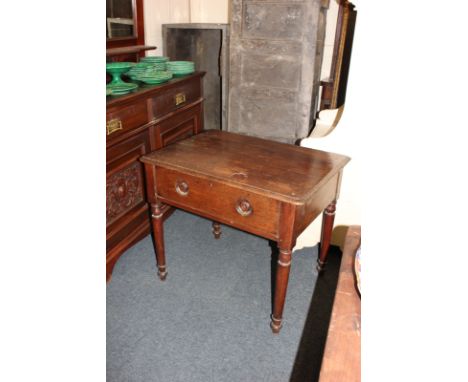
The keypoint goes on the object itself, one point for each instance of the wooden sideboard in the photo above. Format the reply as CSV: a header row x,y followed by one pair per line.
x,y
136,124
342,356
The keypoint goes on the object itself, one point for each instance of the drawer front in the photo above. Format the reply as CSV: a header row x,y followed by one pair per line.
x,y
231,205
180,126
123,119
175,97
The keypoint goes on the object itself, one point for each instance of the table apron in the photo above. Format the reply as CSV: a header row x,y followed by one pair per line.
x,y
220,202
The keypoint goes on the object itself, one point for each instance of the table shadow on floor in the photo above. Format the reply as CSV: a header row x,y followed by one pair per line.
x,y
312,344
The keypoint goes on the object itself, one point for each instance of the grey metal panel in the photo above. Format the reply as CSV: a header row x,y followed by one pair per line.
x,y
276,49
207,44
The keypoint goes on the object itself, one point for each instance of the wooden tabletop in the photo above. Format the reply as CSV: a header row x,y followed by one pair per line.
x,y
287,172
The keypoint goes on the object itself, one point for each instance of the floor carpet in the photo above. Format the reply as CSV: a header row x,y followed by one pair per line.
x,y
209,321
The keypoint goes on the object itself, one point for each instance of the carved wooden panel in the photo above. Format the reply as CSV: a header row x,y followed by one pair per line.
x,y
124,190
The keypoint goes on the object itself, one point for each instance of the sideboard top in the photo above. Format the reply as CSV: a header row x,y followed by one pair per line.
x,y
144,90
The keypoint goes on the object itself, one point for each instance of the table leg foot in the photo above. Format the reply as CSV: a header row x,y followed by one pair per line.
x,y
320,266
216,230
275,324
162,273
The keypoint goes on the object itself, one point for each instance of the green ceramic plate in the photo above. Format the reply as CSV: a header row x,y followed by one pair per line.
x,y
155,74
121,88
181,71
180,63
153,81
155,59
143,65
171,69
179,66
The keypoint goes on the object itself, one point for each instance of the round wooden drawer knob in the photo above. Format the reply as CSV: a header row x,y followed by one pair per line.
x,y
182,188
244,207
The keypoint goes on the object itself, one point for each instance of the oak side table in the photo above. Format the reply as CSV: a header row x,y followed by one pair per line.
x,y
274,190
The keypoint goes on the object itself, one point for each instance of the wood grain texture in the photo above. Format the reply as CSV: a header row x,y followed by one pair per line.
x,y
294,173
179,125
219,200
162,105
342,356
325,240
128,50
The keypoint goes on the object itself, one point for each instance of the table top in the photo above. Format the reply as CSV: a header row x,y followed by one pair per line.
x,y
283,171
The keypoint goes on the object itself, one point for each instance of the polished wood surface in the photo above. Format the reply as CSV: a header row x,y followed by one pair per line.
x,y
342,356
134,127
294,173
127,53
128,50
267,188
327,227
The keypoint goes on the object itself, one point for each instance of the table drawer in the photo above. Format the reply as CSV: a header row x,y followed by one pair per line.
x,y
122,119
175,97
229,204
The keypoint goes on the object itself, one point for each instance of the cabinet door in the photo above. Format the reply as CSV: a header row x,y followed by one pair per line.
x,y
182,125
126,208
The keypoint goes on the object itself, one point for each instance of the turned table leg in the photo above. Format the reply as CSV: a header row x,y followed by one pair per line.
x,y
327,228
281,285
216,230
157,223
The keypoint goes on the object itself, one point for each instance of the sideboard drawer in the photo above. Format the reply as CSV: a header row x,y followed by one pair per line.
x,y
122,119
180,126
232,205
175,97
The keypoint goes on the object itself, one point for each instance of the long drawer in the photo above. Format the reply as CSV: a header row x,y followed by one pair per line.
x,y
122,119
175,97
227,203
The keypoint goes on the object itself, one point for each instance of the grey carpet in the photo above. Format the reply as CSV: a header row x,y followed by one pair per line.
x,y
209,321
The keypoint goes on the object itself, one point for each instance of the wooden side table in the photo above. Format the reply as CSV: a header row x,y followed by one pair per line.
x,y
270,189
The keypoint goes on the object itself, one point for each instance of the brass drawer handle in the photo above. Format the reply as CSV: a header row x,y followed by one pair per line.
x,y
243,207
179,98
182,188
113,125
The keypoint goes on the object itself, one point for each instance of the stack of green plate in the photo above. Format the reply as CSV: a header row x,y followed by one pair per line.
x,y
154,77
159,62
139,69
120,88
180,68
